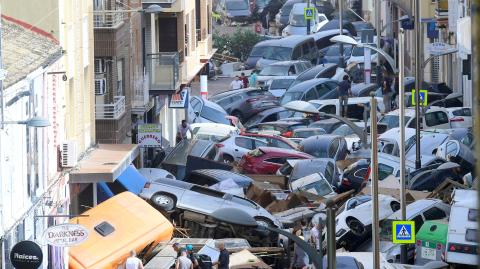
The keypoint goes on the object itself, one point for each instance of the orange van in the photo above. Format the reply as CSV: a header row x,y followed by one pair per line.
x,y
122,223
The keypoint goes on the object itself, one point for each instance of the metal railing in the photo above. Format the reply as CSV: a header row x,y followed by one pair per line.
x,y
163,71
108,18
112,111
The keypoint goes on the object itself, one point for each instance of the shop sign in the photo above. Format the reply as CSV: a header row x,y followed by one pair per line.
x,y
26,255
65,235
149,135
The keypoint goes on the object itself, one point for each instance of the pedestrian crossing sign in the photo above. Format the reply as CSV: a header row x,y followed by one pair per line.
x,y
403,232
308,13
423,97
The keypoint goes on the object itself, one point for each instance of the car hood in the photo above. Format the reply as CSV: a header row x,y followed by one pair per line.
x,y
262,62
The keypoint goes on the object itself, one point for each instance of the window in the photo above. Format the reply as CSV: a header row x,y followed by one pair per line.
x,y
418,222
462,112
202,180
244,142
272,117
329,109
225,102
244,202
311,95
207,191
332,150
297,53
195,104
214,115
305,48
384,171
120,73
330,72
412,123
278,143
452,149
329,171
472,214
322,90
259,143
434,213
436,118
467,139
471,235
276,160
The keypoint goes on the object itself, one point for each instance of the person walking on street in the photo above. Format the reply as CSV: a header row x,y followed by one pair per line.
x,y
386,94
244,80
315,235
183,262
224,258
133,262
252,80
191,256
344,90
236,84
182,130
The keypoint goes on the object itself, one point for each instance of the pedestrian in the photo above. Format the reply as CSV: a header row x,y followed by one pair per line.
x,y
386,94
191,256
252,80
300,258
258,27
183,262
236,84
344,90
244,80
133,262
182,130
315,235
224,258
176,247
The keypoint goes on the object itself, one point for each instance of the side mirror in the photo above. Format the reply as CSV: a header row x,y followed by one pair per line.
x,y
197,113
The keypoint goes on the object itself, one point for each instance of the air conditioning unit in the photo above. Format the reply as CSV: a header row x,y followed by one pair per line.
x,y
99,66
100,86
69,154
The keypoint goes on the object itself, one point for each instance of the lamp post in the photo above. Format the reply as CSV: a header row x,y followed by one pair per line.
x,y
236,216
418,80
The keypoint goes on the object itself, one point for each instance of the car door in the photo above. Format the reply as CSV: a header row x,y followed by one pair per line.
x,y
436,119
242,146
195,106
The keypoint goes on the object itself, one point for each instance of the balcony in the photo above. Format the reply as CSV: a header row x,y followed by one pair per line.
x,y
105,19
112,111
163,71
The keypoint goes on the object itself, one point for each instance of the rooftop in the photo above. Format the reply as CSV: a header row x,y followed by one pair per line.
x,y
24,51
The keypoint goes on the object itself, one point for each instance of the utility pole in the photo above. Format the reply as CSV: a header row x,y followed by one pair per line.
x,y
374,191
401,90
331,241
308,20
378,26
418,81
340,17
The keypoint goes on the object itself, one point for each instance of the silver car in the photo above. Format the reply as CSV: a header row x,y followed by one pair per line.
x,y
170,195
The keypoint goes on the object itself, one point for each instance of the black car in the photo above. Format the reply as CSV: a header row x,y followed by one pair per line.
x,y
211,177
272,114
354,177
431,179
325,146
335,24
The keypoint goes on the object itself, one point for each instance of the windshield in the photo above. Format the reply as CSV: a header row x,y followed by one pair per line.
x,y
261,3
281,83
392,121
237,5
299,20
320,188
277,53
274,70
358,51
258,51
343,130
214,115
291,96
306,134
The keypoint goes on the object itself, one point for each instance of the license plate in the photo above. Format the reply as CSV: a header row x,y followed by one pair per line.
x,y
429,253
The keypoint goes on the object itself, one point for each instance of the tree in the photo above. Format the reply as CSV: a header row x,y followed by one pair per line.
x,y
239,44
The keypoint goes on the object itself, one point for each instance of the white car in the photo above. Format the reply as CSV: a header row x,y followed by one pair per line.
x,y
358,56
201,110
214,132
298,24
233,148
314,183
446,118
356,218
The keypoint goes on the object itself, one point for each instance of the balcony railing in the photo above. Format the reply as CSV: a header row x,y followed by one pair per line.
x,y
108,18
163,71
158,1
112,111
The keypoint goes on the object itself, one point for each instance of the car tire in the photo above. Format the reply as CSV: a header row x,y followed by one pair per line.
x,y
228,159
395,206
164,201
356,226
238,114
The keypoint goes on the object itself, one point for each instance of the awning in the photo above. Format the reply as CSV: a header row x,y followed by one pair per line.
x,y
132,180
105,163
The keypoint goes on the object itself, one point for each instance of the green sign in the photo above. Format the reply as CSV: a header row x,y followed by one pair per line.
x,y
309,13
403,232
423,97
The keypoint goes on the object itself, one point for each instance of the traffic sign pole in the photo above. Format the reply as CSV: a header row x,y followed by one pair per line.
x,y
308,19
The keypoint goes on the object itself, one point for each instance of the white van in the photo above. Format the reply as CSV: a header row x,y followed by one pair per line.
x,y
355,106
462,241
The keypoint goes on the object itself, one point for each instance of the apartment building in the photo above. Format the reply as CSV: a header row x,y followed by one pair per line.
x,y
47,53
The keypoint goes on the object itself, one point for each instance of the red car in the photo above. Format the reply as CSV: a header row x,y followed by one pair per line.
x,y
267,160
273,140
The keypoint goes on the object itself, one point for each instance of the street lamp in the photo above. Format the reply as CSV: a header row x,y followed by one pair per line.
x,y
438,54
153,9
36,122
239,217
344,39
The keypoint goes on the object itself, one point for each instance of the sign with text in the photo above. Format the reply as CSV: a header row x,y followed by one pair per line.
x,y
403,232
423,97
309,13
26,255
179,100
65,235
149,135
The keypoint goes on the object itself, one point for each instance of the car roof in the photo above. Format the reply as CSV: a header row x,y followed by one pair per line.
x,y
409,111
289,41
306,85
221,174
360,86
283,151
325,33
415,208
299,7
314,71
286,63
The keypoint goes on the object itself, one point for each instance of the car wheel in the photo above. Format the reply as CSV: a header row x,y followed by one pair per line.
x,y
395,206
238,114
228,159
356,226
165,201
